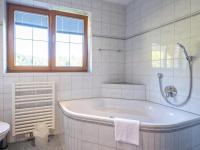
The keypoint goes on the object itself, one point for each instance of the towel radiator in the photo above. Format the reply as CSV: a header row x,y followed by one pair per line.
x,y
32,103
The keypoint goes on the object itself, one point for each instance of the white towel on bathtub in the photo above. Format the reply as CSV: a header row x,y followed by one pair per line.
x,y
127,131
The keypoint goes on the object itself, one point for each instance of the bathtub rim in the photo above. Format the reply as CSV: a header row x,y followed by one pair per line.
x,y
147,127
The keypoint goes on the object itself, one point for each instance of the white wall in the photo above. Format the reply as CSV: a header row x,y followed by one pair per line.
x,y
145,55
155,51
108,20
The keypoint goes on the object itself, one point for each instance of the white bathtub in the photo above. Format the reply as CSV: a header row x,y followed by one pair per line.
x,y
156,120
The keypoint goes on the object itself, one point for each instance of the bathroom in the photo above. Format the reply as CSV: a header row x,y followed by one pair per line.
x,y
132,84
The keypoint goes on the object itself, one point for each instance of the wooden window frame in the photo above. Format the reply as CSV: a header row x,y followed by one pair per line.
x,y
11,8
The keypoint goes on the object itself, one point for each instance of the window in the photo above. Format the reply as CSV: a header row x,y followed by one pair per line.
x,y
46,40
69,41
30,39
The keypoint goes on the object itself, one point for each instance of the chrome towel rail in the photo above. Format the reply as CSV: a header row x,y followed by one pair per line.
x,y
101,49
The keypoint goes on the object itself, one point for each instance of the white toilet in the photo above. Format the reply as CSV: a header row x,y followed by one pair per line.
x,y
4,129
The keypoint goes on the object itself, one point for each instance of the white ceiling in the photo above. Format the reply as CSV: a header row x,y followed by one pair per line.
x,y
123,2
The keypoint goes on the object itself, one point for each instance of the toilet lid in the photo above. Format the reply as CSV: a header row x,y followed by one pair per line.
x,y
4,127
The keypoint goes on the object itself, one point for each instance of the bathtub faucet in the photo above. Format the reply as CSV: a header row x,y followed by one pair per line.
x,y
170,91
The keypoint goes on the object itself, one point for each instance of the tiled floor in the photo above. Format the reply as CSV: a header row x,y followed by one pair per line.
x,y
54,144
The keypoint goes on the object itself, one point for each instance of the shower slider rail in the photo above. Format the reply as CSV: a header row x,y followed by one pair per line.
x,y
114,50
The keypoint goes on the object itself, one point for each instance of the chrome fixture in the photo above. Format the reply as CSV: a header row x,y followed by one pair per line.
x,y
189,58
171,91
117,50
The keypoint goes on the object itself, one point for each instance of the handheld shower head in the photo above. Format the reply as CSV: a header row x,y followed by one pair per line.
x,y
185,52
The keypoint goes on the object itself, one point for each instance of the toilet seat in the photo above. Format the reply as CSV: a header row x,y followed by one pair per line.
x,y
4,127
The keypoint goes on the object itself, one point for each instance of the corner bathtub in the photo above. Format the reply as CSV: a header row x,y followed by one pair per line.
x,y
89,125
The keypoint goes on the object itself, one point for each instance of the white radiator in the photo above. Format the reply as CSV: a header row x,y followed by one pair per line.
x,y
32,103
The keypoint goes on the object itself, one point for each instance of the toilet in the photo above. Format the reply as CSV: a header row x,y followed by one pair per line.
x,y
4,129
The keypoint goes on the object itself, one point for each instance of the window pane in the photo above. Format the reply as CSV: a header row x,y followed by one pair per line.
x,y
23,32
31,19
40,34
31,39
40,53
62,37
23,52
76,38
76,55
69,25
62,54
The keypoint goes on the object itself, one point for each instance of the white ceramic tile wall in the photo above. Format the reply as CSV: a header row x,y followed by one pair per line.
x,y
155,51
126,91
145,55
106,66
91,136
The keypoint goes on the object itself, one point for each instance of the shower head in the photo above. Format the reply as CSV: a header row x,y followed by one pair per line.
x,y
185,52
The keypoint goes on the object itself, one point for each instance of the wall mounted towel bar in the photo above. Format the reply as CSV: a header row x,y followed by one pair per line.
x,y
110,50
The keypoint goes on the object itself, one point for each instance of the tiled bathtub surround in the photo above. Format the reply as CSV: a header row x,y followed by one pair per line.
x,y
89,123
123,90
155,50
86,135
107,19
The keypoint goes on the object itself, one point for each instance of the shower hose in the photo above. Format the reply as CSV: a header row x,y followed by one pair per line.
x,y
160,76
